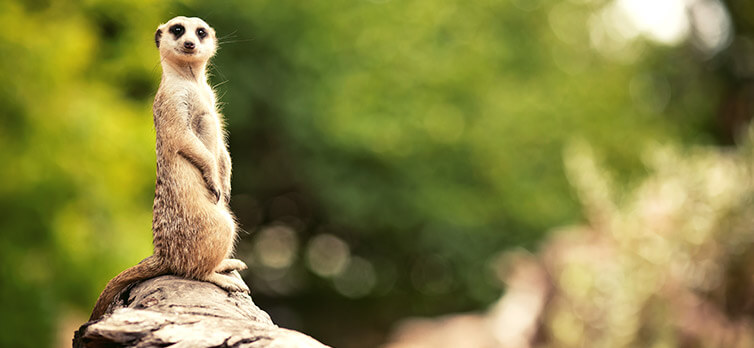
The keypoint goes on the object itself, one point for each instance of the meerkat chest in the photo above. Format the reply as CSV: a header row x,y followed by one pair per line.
x,y
203,118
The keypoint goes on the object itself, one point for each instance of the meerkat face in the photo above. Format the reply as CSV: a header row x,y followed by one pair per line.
x,y
186,39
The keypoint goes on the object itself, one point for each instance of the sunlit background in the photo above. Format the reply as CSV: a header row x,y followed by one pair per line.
x,y
566,173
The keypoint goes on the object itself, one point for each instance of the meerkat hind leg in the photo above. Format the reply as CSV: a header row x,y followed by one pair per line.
x,y
230,282
227,277
228,265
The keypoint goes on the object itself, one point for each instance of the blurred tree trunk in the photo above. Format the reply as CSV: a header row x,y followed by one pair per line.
x,y
177,312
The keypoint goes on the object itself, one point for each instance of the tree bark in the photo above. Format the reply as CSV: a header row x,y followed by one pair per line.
x,y
170,311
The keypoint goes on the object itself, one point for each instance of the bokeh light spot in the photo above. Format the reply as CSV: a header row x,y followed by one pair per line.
x,y
712,25
276,246
357,280
664,21
327,255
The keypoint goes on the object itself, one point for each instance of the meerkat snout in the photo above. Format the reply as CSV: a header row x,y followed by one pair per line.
x,y
188,45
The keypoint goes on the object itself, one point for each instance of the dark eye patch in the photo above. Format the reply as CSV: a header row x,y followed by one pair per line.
x,y
177,30
201,33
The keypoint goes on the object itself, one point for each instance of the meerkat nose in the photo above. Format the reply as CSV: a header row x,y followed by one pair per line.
x,y
188,45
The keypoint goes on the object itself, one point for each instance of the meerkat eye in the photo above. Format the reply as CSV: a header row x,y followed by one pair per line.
x,y
201,33
177,30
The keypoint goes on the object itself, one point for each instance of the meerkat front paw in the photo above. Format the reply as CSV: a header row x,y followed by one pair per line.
x,y
215,195
213,187
226,190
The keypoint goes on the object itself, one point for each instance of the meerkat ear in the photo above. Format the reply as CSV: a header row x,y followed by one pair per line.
x,y
157,37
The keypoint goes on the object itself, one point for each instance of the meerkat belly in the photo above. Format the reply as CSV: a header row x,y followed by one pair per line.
x,y
191,234
191,237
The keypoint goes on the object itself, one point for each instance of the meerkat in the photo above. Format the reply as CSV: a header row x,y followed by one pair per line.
x,y
193,228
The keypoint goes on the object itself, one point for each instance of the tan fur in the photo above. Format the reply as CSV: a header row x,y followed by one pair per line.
x,y
193,229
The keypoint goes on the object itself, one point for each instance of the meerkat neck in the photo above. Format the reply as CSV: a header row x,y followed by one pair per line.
x,y
191,71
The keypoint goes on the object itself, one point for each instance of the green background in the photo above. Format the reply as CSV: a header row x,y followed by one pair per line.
x,y
423,137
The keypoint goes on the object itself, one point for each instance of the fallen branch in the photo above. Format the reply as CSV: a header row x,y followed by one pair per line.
x,y
170,311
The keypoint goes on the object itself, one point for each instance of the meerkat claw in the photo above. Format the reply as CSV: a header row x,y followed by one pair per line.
x,y
216,195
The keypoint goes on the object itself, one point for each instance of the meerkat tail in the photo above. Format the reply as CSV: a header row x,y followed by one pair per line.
x,y
147,268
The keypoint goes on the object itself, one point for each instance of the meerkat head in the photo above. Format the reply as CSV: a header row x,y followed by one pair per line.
x,y
186,40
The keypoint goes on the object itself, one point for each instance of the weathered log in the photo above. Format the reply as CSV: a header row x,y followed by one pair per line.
x,y
170,311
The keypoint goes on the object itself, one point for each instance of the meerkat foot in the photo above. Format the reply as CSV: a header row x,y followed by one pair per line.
x,y
228,265
230,282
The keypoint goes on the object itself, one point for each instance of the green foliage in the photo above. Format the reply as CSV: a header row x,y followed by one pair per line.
x,y
76,129
424,136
